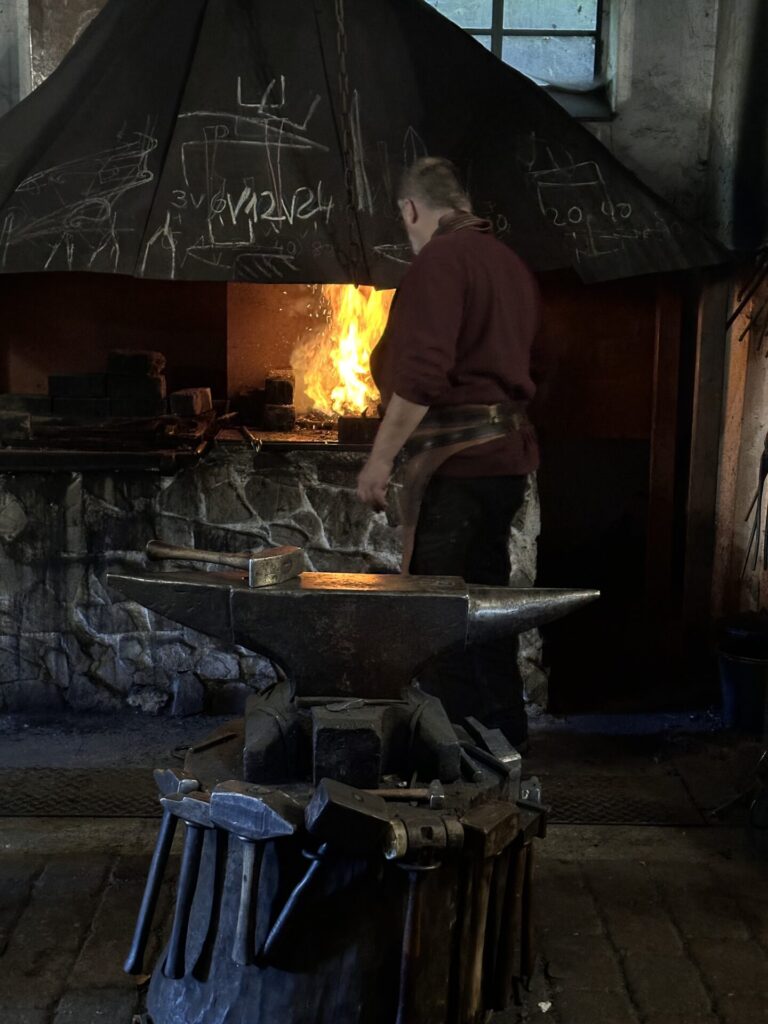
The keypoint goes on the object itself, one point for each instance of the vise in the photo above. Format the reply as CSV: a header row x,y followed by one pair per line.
x,y
351,855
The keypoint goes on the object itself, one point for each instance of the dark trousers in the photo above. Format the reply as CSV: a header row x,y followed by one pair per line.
x,y
463,530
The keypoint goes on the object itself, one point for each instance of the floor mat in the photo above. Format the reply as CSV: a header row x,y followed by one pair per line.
x,y
619,800
130,793
78,793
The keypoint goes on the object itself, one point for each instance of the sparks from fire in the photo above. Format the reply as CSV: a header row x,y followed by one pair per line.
x,y
333,364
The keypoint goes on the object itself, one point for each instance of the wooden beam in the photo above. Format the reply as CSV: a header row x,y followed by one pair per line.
x,y
728,513
708,406
661,497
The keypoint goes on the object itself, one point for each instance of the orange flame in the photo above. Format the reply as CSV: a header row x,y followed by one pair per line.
x,y
333,366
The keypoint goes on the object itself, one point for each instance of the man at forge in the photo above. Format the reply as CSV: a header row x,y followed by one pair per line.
x,y
453,369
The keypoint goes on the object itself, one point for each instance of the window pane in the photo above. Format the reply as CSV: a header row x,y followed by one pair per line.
x,y
467,13
485,40
549,14
551,58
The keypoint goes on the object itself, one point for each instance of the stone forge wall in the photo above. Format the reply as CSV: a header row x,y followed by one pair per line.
x,y
66,641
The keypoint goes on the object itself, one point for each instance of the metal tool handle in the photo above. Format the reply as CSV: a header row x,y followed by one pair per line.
x,y
135,959
190,866
242,952
293,901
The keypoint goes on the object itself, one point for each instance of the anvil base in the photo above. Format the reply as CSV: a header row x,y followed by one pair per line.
x,y
440,940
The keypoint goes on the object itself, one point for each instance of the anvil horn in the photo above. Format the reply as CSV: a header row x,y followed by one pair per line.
x,y
496,611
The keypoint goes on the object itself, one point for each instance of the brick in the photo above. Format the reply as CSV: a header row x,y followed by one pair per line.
x,y
35,405
566,913
132,386
620,883
77,385
85,408
46,923
73,876
574,1007
100,964
685,1018
279,386
17,1010
563,875
130,868
732,966
754,911
110,1005
39,973
710,915
647,930
191,402
666,985
741,878
683,877
589,964
16,875
279,417
15,426
44,943
739,1009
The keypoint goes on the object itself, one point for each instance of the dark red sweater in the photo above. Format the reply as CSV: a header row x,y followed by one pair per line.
x,y
460,333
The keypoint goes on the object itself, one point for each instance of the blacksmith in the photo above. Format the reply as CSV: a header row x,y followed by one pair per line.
x,y
453,369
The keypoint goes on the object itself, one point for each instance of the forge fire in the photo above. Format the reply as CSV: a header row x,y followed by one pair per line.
x,y
333,368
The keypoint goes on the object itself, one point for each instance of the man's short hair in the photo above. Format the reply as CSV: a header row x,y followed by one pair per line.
x,y
435,181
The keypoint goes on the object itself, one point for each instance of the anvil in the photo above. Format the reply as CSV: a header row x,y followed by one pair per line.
x,y
342,634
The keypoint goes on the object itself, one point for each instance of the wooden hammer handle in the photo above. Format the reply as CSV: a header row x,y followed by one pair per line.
x,y
156,549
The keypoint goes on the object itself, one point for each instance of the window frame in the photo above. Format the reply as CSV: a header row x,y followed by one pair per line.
x,y
498,33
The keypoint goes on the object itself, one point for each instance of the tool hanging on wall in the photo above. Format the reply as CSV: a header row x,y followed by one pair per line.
x,y
757,504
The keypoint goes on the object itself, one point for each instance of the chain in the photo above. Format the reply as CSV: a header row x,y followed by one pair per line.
x,y
350,183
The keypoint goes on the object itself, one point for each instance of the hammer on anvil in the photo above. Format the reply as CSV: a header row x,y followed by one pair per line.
x,y
342,634
255,814
265,567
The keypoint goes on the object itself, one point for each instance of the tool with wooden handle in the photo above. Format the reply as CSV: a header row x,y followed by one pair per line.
x,y
265,568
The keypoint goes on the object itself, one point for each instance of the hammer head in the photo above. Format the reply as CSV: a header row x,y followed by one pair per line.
x,y
193,808
169,781
347,818
255,812
274,565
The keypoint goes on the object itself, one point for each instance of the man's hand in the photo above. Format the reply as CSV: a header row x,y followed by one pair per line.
x,y
372,482
400,421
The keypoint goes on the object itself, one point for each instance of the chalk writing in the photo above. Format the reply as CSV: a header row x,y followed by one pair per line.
x,y
82,229
236,194
573,196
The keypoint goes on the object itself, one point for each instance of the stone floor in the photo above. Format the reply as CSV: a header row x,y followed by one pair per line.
x,y
641,923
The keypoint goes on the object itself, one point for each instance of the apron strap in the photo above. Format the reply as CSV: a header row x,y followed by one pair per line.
x,y
442,434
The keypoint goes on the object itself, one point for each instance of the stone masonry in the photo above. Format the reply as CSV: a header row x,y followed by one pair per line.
x,y
66,641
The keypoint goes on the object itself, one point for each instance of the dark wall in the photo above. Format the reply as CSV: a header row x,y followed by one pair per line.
x,y
594,416
67,323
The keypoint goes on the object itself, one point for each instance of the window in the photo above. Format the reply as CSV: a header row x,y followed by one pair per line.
x,y
552,41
